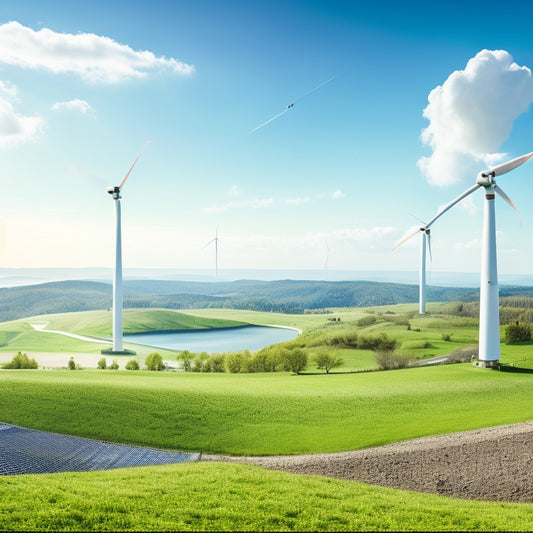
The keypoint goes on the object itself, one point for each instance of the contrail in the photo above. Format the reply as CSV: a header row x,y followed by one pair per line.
x,y
291,105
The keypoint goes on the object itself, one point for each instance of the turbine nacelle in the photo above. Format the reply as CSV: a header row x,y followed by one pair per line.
x,y
486,178
115,191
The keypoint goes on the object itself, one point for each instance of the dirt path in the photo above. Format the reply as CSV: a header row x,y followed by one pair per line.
x,y
485,464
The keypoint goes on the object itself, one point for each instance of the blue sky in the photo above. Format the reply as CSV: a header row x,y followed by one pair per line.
x,y
84,85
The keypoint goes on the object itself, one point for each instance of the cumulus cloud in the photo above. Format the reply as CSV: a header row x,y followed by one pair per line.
x,y
93,57
73,105
16,128
254,204
471,114
337,194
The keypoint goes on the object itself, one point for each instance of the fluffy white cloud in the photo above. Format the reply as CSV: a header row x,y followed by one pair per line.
x,y
92,57
337,194
73,105
16,128
471,114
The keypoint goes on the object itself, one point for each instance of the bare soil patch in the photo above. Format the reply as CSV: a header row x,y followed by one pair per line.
x,y
493,464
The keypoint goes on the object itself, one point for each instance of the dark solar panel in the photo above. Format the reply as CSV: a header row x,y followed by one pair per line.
x,y
28,451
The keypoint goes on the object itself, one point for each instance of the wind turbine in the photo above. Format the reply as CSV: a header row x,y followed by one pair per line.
x,y
117,277
215,240
489,312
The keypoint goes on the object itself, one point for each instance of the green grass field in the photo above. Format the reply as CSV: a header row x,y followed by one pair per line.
x,y
256,414
223,497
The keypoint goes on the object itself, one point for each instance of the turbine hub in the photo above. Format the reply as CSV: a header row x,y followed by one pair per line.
x,y
486,179
115,191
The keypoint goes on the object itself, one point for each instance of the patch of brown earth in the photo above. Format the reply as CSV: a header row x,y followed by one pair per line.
x,y
484,464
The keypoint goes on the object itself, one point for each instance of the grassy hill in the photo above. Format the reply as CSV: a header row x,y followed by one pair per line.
x,y
286,296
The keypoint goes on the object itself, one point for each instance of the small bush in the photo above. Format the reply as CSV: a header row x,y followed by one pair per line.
x,y
517,332
388,360
132,364
215,363
114,365
71,364
367,321
379,343
154,362
21,361
447,337
102,363
463,355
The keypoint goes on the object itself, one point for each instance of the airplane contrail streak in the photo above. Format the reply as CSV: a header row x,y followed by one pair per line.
x,y
291,105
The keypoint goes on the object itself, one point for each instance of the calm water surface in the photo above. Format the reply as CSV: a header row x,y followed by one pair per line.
x,y
215,340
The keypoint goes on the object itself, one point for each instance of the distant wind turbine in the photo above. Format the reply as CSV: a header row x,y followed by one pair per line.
x,y
291,105
489,312
326,262
117,278
215,240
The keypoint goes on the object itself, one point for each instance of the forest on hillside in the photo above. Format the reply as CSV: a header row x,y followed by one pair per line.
x,y
286,296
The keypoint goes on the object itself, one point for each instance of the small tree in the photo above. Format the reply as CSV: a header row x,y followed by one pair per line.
x,y
132,364
295,360
102,364
517,332
187,358
114,365
154,362
21,361
327,360
71,364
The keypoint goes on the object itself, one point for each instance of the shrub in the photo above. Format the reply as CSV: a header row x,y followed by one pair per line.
x,y
154,362
446,336
296,360
379,343
102,364
388,360
114,365
132,364
198,362
463,355
238,362
215,363
367,321
327,360
517,332
71,364
21,361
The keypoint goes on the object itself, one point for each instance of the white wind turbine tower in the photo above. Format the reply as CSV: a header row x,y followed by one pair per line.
x,y
215,240
117,277
489,312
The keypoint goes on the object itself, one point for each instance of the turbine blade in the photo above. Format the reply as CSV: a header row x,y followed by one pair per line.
x,y
500,192
510,165
131,168
411,233
445,207
212,240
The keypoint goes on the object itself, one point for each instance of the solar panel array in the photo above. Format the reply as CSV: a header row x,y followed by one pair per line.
x,y
28,451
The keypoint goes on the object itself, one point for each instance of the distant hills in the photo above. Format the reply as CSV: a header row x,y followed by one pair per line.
x,y
286,296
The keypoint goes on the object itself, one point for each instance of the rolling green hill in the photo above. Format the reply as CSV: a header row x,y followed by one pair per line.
x,y
285,296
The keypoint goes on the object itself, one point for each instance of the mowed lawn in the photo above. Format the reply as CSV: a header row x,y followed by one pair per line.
x,y
263,414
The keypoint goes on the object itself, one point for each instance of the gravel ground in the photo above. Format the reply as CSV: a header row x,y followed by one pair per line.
x,y
483,464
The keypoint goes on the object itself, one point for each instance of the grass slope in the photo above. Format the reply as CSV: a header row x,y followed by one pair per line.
x,y
223,497
263,414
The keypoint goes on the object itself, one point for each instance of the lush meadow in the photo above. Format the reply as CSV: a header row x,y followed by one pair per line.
x,y
225,497
261,414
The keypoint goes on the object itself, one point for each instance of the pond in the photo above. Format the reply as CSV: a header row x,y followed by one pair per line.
x,y
215,340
